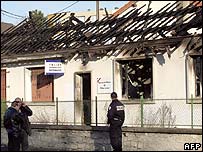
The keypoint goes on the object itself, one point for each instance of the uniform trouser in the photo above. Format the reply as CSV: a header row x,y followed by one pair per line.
x,y
13,142
24,140
116,137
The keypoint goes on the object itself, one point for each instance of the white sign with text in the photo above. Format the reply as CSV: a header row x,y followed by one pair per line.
x,y
54,67
104,86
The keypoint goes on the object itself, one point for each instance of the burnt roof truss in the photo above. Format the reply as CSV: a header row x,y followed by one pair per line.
x,y
137,32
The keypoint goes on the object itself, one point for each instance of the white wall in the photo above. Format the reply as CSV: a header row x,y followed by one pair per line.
x,y
169,75
14,83
64,86
168,83
155,5
191,77
28,85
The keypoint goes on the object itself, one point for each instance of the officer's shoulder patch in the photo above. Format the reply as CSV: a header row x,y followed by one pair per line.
x,y
109,107
118,108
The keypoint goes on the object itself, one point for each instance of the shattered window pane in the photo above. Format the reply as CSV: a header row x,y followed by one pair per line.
x,y
136,78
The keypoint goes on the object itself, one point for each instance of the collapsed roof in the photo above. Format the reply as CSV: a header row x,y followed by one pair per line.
x,y
136,32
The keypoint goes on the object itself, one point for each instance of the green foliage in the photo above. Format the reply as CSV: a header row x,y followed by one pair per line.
x,y
38,17
3,109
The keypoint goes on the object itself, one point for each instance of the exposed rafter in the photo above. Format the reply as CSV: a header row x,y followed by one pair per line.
x,y
73,36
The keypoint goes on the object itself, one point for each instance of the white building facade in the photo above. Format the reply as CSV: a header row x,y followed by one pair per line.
x,y
172,93
169,79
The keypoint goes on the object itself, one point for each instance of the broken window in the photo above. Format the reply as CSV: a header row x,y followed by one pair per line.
x,y
198,76
136,78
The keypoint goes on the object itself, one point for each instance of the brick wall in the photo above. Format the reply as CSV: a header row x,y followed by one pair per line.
x,y
79,138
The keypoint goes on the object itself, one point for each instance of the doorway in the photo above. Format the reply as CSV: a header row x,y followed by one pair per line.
x,y
83,98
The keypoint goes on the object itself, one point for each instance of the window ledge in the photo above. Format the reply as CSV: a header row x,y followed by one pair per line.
x,y
41,103
196,100
138,101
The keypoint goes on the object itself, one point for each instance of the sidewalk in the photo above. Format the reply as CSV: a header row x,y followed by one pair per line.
x,y
5,148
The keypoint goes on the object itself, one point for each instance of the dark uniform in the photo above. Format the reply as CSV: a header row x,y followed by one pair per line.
x,y
116,117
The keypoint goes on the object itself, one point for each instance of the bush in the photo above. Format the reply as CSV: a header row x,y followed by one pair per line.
x,y
3,109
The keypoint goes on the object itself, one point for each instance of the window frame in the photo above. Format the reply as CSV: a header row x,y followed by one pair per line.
x,y
123,96
195,76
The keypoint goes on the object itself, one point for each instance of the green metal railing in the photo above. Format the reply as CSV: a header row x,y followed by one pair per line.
x,y
142,112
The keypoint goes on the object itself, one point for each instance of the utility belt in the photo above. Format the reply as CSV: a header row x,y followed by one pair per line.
x,y
116,122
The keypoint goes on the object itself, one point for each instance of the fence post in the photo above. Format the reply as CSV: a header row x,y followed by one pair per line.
x,y
142,102
57,111
192,111
96,108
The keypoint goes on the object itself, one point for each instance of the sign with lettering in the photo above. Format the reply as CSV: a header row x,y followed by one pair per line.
x,y
104,86
54,67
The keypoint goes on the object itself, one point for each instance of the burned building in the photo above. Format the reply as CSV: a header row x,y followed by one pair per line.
x,y
149,52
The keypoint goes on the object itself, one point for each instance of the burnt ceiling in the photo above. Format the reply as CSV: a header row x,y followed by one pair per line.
x,y
137,32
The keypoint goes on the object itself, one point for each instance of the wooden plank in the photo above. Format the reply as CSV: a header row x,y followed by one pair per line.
x,y
42,85
39,39
67,52
124,8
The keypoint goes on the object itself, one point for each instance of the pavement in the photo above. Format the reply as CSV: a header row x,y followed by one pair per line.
x,y
5,148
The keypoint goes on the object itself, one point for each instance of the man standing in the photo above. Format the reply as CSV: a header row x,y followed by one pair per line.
x,y
25,111
13,124
116,117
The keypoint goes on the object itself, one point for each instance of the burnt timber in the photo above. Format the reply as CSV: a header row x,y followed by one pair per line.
x,y
138,32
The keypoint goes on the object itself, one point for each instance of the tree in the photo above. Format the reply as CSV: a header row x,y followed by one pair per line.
x,y
3,109
37,17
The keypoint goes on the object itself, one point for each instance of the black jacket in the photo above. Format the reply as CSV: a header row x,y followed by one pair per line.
x,y
13,121
25,112
116,113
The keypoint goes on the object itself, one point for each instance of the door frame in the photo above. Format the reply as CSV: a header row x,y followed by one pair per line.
x,y
4,72
78,73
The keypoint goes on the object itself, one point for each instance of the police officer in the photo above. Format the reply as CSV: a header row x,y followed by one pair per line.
x,y
116,117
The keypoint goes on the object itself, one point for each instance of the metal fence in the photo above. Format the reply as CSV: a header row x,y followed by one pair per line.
x,y
164,113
